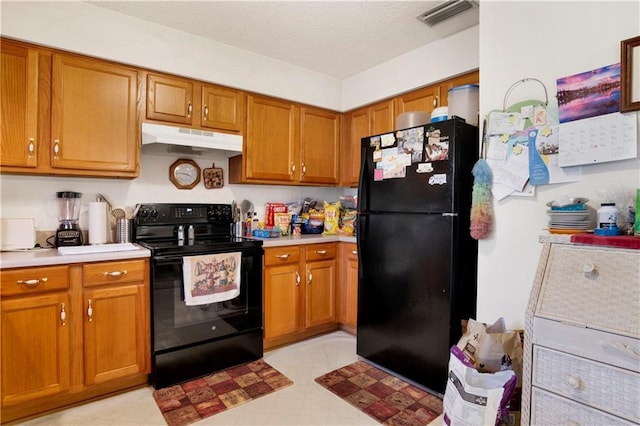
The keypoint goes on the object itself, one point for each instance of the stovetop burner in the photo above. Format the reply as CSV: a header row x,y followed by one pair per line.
x,y
187,228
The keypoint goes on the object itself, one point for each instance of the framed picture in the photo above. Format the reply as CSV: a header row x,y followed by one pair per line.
x,y
630,74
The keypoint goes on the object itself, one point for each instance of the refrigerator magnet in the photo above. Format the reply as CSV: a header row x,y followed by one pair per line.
x,y
378,175
374,142
387,140
424,168
438,179
377,155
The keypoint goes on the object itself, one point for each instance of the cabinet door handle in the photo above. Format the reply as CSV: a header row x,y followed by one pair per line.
x,y
297,279
304,169
33,282
56,149
189,110
589,270
309,276
435,101
206,112
115,274
354,251
63,315
31,148
321,252
293,169
282,256
90,310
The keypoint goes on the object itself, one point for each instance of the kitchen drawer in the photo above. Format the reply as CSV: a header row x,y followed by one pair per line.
x,y
610,389
114,272
613,349
597,288
25,281
320,251
281,255
549,409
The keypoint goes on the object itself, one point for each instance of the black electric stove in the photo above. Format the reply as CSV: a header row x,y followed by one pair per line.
x,y
191,341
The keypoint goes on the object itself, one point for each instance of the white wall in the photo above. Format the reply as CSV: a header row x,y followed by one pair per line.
x,y
433,62
544,40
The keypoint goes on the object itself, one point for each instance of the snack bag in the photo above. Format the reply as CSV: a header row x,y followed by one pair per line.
x,y
331,218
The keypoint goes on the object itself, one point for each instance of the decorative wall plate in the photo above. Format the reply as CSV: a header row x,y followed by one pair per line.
x,y
213,177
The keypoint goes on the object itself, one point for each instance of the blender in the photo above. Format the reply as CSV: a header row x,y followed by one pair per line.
x,y
68,233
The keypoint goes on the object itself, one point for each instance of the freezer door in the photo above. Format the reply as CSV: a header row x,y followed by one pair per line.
x,y
404,294
433,185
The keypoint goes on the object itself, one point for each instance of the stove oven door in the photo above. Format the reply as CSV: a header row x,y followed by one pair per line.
x,y
176,325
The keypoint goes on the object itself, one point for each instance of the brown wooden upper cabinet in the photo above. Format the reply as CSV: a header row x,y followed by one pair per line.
x,y
64,114
426,99
19,84
179,100
287,143
94,124
359,123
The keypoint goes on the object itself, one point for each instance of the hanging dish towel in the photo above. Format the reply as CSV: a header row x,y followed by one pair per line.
x,y
211,278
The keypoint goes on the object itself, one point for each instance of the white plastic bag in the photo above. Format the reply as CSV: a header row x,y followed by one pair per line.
x,y
474,398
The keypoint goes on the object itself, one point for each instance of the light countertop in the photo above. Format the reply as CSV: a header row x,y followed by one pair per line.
x,y
50,256
304,239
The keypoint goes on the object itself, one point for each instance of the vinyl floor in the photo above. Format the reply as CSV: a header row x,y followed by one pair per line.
x,y
304,403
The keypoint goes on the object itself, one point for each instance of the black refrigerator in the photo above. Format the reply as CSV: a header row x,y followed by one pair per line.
x,y
417,260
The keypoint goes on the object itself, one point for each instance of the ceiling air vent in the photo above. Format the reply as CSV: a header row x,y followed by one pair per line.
x,y
444,11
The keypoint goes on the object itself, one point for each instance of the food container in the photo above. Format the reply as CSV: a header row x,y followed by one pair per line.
x,y
440,114
464,101
266,233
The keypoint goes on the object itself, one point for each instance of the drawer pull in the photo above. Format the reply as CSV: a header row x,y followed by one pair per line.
x,y
32,283
90,311
321,252
589,269
115,274
573,382
282,256
63,315
624,349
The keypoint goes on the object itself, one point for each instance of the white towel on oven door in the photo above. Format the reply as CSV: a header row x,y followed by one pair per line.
x,y
211,278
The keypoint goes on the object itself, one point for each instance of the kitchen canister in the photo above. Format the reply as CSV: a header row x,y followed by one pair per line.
x,y
464,102
124,230
440,114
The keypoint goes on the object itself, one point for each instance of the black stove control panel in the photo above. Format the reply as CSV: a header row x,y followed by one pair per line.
x,y
171,214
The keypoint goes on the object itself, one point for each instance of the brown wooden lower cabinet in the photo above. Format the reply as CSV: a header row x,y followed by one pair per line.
x,y
71,333
299,292
348,286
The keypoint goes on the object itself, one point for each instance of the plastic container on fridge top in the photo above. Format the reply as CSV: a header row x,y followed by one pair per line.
x,y
464,102
439,114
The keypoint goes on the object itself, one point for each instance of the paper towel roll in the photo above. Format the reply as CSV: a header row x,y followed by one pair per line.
x,y
98,223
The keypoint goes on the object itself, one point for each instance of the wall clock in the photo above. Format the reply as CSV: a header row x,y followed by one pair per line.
x,y
184,173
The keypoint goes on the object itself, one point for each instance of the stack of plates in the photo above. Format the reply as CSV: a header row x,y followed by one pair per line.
x,y
568,221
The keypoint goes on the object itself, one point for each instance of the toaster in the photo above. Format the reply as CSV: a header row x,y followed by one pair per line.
x,y
17,234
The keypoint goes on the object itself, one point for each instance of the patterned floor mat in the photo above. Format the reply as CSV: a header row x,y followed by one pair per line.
x,y
194,400
386,398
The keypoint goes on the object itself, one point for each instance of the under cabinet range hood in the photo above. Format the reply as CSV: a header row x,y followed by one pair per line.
x,y
181,139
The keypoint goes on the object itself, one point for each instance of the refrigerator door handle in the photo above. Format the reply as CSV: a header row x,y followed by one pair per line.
x,y
449,214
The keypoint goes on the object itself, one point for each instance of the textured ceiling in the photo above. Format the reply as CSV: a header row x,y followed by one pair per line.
x,y
336,38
